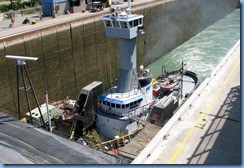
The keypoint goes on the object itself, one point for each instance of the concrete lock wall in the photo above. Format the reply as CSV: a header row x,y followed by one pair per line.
x,y
77,53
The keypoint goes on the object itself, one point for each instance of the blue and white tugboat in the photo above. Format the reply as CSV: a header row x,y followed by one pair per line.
x,y
122,105
138,99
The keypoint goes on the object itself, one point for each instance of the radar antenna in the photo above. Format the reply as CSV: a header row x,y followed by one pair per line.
x,y
22,64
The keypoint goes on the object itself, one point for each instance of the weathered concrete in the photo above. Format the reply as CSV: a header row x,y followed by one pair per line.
x,y
75,53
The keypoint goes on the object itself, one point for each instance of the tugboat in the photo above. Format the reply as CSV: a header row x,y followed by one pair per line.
x,y
124,108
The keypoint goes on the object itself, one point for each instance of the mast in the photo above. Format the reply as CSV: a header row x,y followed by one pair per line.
x,y
129,7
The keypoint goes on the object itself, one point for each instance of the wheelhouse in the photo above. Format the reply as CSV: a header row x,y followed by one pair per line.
x,y
123,25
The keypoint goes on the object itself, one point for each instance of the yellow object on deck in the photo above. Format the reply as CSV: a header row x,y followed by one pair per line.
x,y
154,83
153,80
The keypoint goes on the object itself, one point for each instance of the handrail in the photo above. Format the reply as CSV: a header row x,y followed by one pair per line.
x,y
128,136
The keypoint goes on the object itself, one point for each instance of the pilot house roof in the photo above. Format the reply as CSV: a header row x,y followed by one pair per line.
x,y
123,17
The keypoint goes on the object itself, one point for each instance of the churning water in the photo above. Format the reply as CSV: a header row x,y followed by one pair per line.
x,y
204,51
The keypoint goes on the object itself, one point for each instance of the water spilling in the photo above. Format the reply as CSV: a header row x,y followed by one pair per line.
x,y
204,51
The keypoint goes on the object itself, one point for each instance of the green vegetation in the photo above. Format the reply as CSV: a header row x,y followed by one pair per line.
x,y
17,5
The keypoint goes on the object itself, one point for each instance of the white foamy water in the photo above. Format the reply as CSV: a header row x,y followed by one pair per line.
x,y
205,50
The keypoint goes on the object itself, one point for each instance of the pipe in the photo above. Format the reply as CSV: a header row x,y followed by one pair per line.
x,y
48,115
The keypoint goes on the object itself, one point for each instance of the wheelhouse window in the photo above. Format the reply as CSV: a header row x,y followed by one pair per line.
x,y
140,21
123,25
131,24
107,23
135,23
116,24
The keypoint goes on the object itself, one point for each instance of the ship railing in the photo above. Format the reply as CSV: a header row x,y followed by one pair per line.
x,y
121,141
134,91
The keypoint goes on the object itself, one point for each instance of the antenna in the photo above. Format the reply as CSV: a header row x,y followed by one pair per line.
x,y
20,59
20,64
129,7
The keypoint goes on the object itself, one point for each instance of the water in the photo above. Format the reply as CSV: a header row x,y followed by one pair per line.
x,y
204,51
